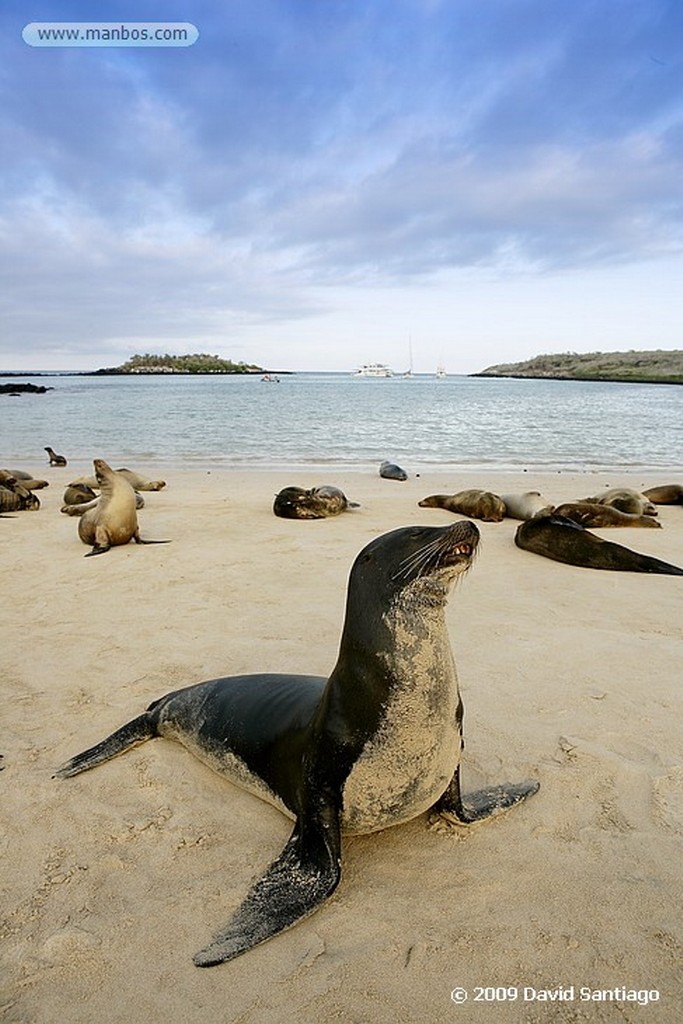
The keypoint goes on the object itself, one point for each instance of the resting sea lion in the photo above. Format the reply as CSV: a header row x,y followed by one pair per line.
x,y
139,483
78,494
526,505
626,500
563,540
55,460
375,745
75,508
592,514
666,494
26,479
112,519
15,498
390,471
316,503
475,503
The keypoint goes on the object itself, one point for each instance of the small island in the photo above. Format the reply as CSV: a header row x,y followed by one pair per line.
x,y
654,367
195,362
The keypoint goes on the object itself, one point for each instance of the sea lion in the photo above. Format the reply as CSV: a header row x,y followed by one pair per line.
x,y
375,745
563,540
112,519
139,483
390,471
26,479
666,494
15,497
55,460
316,503
526,505
593,515
78,494
478,504
626,500
134,479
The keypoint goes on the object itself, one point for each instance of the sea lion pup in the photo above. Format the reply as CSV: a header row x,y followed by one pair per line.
x,y
316,503
526,505
593,515
666,494
390,471
26,479
626,500
563,540
376,744
478,504
112,519
55,460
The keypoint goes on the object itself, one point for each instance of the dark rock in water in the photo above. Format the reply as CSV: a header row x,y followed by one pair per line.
x,y
17,389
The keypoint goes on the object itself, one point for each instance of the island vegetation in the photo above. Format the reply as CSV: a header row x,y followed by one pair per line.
x,y
637,367
195,362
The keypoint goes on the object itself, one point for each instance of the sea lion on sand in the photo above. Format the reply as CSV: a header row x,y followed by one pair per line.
x,y
112,520
139,483
316,503
626,500
666,494
390,471
78,494
15,498
26,479
563,540
593,515
526,505
375,745
55,460
478,504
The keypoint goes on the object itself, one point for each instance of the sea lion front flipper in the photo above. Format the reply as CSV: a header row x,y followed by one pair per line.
x,y
485,803
297,883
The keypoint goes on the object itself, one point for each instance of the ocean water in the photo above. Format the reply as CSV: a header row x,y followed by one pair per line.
x,y
337,420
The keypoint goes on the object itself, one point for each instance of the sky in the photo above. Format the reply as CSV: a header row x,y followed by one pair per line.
x,y
316,184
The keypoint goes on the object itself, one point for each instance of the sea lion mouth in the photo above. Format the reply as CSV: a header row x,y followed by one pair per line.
x,y
454,547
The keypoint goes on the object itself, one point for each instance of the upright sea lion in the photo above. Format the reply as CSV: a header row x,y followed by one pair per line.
x,y
112,519
478,504
375,745
316,503
563,540
526,505
626,500
390,471
593,515
55,460
666,494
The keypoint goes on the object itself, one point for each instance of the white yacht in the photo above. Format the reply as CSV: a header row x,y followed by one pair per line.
x,y
373,370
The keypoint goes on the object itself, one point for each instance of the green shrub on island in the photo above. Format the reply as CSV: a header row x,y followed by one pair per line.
x,y
196,362
654,367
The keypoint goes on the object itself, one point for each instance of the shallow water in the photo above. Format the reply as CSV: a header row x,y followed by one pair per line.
x,y
336,419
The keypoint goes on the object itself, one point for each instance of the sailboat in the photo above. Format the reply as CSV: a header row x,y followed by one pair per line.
x,y
441,372
409,372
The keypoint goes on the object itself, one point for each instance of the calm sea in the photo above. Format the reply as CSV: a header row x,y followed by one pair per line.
x,y
336,419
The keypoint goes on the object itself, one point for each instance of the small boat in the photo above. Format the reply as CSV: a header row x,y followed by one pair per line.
x,y
373,370
441,372
270,378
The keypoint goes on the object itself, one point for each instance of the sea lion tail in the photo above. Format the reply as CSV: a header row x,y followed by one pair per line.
x,y
137,731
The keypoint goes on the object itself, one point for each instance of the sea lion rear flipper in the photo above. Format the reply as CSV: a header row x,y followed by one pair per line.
x,y
485,803
297,883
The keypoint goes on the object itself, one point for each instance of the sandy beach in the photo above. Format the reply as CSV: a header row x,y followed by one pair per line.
x,y
112,880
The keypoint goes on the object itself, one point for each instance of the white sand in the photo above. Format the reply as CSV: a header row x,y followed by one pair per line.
x,y
112,880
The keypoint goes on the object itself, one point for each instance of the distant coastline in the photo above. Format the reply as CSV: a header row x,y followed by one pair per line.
x,y
633,367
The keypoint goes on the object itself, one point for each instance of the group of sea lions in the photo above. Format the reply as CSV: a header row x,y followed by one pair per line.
x,y
560,532
106,519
